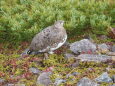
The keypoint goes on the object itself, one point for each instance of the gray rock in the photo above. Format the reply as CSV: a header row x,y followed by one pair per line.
x,y
113,48
86,82
58,81
15,84
44,79
34,70
2,80
104,78
82,46
95,58
103,48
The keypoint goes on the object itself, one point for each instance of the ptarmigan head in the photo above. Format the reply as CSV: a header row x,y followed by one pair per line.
x,y
59,23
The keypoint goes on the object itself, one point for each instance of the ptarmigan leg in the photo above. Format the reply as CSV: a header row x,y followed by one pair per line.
x,y
46,56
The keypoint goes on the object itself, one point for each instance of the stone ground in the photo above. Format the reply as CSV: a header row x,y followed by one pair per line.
x,y
82,63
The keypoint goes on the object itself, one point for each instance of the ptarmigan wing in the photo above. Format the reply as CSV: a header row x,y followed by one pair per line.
x,y
48,39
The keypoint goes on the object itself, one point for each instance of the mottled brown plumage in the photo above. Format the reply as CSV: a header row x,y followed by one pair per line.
x,y
49,39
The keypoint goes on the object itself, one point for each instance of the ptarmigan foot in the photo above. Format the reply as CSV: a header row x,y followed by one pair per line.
x,y
46,56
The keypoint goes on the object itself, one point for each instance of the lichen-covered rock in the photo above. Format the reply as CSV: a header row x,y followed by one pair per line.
x,y
58,81
82,46
86,82
103,48
44,79
34,70
95,58
104,78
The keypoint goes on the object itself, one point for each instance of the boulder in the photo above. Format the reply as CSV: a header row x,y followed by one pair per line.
x,y
44,79
95,58
86,82
82,46
104,78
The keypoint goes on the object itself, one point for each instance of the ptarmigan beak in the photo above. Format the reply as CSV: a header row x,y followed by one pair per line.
x,y
24,54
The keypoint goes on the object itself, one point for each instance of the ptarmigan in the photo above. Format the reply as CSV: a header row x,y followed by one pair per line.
x,y
49,39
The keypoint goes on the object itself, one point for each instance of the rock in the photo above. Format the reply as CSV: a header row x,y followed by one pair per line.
x,y
113,48
82,46
111,53
103,48
44,79
86,82
1,81
58,81
69,55
104,78
95,58
113,78
34,70
15,85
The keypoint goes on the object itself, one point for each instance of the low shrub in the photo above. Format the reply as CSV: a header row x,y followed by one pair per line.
x,y
20,20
